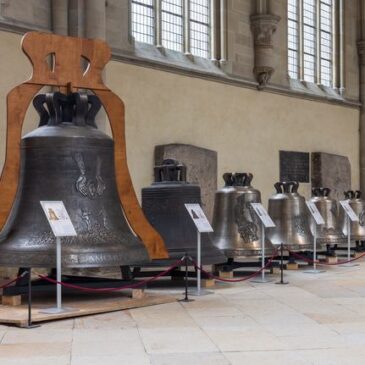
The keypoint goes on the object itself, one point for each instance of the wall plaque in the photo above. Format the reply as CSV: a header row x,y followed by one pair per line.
x,y
294,166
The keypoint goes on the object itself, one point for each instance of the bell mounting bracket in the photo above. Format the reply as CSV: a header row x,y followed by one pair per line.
x,y
68,55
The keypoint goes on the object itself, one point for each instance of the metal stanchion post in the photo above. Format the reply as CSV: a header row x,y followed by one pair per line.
x,y
30,325
282,282
199,291
262,279
349,264
186,299
59,308
314,270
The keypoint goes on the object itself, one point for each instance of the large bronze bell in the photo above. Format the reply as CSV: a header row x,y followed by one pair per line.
x,y
330,232
67,158
290,214
356,202
236,226
163,204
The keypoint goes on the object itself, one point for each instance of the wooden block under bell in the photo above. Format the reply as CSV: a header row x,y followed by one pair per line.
x,y
292,266
11,300
358,255
331,259
275,270
138,293
226,274
208,283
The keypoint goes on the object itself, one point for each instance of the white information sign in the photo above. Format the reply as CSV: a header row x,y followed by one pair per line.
x,y
58,218
349,211
263,215
315,212
199,218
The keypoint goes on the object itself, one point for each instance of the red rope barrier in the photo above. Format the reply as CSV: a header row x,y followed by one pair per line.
x,y
323,263
100,290
236,280
13,280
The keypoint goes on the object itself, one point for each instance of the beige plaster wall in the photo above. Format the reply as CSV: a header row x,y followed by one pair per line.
x,y
246,127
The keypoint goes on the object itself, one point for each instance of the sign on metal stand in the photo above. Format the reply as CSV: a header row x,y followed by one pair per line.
x,y
61,226
203,226
266,222
350,217
318,220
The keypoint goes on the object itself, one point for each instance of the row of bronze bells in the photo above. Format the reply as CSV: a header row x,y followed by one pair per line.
x,y
237,228
357,229
67,158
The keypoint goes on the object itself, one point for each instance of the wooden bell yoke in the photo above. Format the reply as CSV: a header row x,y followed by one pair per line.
x,y
66,74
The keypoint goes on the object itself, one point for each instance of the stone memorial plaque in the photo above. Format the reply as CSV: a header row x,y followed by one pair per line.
x,y
331,171
294,166
201,165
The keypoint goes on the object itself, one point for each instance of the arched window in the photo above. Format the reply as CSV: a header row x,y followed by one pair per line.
x,y
311,40
180,25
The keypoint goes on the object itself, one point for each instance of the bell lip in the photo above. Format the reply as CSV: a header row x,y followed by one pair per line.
x,y
49,260
236,253
295,246
329,240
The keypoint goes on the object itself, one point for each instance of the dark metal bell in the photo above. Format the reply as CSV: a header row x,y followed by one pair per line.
x,y
163,204
67,158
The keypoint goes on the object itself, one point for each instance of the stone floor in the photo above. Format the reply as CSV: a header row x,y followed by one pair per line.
x,y
316,319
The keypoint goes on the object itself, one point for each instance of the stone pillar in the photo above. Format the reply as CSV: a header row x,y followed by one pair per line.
x,y
361,50
76,18
263,26
95,19
60,17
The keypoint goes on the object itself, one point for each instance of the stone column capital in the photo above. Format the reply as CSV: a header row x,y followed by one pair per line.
x,y
263,26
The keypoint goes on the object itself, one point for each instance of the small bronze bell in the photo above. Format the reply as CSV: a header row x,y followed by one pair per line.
x,y
356,202
330,232
67,158
163,204
290,214
236,226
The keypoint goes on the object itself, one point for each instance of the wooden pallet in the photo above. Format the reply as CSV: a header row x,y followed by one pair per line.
x,y
82,305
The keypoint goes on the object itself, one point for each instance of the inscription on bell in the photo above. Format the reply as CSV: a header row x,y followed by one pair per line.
x,y
294,166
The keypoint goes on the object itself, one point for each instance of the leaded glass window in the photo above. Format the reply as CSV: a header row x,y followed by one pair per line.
x,y
310,40
180,25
